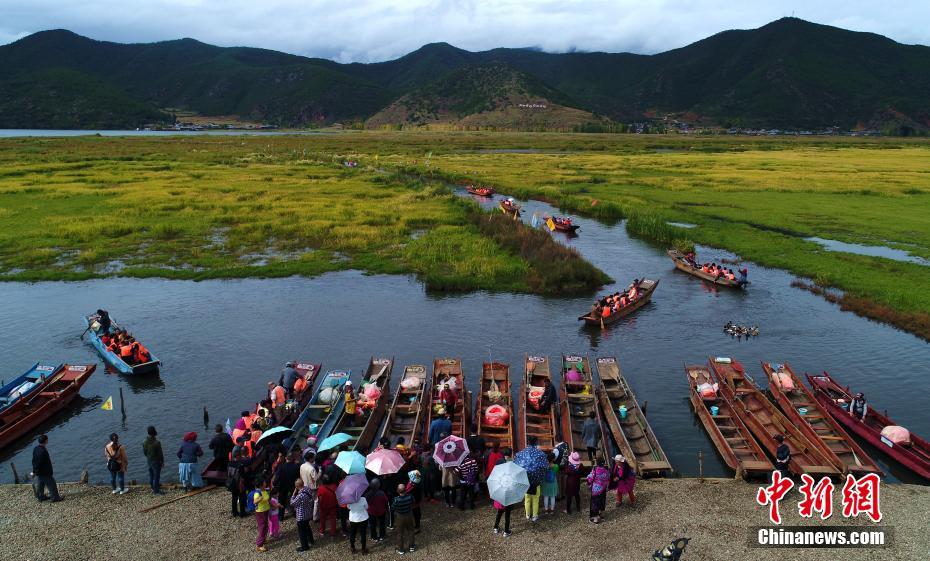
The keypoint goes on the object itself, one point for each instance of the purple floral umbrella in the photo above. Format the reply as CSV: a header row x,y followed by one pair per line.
x,y
450,451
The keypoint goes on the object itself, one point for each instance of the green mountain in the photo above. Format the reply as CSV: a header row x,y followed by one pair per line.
x,y
787,74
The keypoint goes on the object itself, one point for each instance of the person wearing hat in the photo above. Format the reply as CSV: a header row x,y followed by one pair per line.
x,y
858,409
187,462
782,456
572,483
415,490
623,477
289,376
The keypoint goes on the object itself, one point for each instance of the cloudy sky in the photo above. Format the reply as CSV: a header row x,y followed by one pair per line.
x,y
372,30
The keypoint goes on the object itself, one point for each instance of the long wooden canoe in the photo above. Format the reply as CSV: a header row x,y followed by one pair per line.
x,y
113,359
364,426
461,420
646,287
579,400
495,390
14,393
480,191
408,409
53,396
765,420
631,432
682,264
836,399
816,423
730,435
510,209
531,421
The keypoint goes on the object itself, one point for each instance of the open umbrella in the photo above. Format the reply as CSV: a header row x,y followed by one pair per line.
x,y
534,461
334,440
351,488
274,436
384,460
508,483
351,462
450,451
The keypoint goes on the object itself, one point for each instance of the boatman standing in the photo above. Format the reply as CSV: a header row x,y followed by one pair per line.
x,y
858,408
782,456
103,318
289,378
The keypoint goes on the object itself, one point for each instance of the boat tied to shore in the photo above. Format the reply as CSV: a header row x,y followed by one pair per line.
x,y
766,421
798,403
627,421
407,413
371,402
645,288
461,414
732,438
532,421
16,390
579,401
495,407
905,447
54,394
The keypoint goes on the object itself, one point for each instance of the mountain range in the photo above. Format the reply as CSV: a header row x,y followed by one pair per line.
x,y
788,74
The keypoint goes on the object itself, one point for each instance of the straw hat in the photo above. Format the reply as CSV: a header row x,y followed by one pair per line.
x,y
575,459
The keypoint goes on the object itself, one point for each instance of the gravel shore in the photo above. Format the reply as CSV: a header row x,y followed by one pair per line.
x,y
716,514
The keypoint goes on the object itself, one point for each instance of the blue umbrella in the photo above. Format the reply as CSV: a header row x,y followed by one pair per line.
x,y
276,434
334,440
534,461
351,462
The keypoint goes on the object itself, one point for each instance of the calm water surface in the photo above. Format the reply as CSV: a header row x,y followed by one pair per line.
x,y
222,341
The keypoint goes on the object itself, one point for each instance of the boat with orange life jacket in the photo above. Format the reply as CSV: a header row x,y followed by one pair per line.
x,y
510,208
561,224
480,191
145,361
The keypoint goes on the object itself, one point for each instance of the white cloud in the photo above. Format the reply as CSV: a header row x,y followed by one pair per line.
x,y
367,30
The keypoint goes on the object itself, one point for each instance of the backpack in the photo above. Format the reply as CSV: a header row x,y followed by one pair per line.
x,y
232,477
250,503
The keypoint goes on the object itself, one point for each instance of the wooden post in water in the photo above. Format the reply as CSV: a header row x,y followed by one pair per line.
x,y
15,473
206,417
85,476
122,404
701,465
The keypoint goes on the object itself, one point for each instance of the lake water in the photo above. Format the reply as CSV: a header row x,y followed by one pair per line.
x,y
221,342
869,250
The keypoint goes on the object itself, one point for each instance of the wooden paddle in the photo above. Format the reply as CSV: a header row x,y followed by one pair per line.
x,y
184,496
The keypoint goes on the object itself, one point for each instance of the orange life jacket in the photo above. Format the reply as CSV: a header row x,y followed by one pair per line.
x,y
142,354
277,396
605,312
300,385
125,351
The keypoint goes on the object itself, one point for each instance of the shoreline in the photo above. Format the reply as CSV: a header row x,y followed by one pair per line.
x,y
718,516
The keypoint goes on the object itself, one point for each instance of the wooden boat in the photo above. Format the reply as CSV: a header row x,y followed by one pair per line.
x,y
631,431
765,420
836,400
646,287
480,191
816,423
54,395
408,409
730,435
510,208
363,427
461,418
495,391
531,421
294,417
561,224
113,359
682,264
24,385
579,400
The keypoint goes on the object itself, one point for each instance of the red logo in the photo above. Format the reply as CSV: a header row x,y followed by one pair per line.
x,y
774,493
817,498
861,496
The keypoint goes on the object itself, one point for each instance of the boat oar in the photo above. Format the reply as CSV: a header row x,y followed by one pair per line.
x,y
85,331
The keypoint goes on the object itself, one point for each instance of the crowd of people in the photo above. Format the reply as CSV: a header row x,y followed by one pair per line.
x,y
125,346
613,303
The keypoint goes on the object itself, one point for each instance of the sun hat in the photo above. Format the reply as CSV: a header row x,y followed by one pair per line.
x,y
619,458
575,459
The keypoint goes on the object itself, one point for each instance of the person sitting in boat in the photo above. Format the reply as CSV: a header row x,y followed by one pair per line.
x,y
690,258
858,409
634,292
242,423
103,318
125,350
606,311
596,310
730,275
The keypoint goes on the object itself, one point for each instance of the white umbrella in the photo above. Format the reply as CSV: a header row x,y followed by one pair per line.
x,y
508,483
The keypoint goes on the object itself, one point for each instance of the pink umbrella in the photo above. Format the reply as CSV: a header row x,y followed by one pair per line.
x,y
450,451
383,461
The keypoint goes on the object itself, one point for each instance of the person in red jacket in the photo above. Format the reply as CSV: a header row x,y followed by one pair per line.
x,y
377,510
329,505
493,458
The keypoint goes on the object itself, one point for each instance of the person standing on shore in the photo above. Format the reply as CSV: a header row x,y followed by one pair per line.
x,y
403,518
623,476
236,482
262,501
599,480
440,427
414,490
591,435
572,487
155,457
187,466
377,510
328,505
502,510
221,445
42,469
310,477
468,480
550,485
358,524
285,476
302,503
117,461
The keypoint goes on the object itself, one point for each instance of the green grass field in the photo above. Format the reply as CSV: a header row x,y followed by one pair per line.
x,y
199,207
